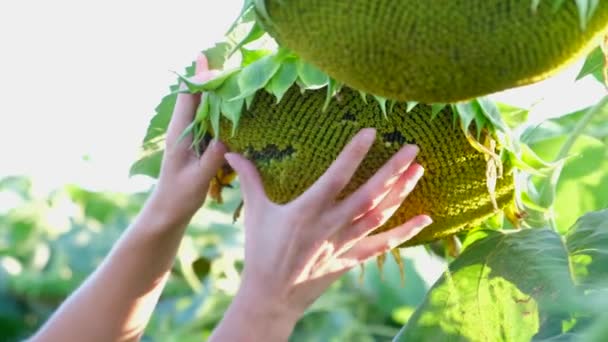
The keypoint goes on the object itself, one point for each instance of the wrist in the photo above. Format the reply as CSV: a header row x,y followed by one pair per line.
x,y
160,213
166,210
255,316
267,308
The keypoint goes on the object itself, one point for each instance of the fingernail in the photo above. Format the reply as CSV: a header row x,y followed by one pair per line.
x,y
419,171
410,150
407,153
426,220
201,63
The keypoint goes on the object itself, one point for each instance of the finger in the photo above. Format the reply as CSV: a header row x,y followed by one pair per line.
x,y
338,175
251,182
349,236
201,70
186,105
378,244
183,114
368,196
212,160
201,65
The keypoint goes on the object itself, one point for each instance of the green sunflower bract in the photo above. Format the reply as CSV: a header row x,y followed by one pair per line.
x,y
436,50
294,141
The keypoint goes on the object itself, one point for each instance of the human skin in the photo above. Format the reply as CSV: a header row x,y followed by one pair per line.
x,y
293,252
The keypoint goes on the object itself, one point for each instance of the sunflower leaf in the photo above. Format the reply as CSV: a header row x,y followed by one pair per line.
x,y
310,76
256,75
283,80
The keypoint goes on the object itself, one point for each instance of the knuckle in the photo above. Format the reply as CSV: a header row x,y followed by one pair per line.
x,y
367,203
335,184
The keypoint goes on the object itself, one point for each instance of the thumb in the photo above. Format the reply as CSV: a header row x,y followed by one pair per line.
x,y
251,182
202,64
212,160
202,73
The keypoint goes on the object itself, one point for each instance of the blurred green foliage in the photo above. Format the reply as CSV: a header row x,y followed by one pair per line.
x,y
50,242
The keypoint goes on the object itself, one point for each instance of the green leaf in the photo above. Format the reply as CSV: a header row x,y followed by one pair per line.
x,y
231,109
283,80
310,76
565,125
256,75
217,55
17,184
249,100
208,85
587,242
535,164
202,111
583,184
149,162
467,112
387,286
201,119
501,288
391,105
557,4
411,105
513,116
188,131
596,332
548,186
250,56
260,7
582,11
382,102
254,34
243,15
594,65
215,103
332,89
586,9
363,96
436,108
490,110
530,201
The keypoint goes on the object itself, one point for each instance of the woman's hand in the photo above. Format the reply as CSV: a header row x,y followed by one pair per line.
x,y
185,177
293,252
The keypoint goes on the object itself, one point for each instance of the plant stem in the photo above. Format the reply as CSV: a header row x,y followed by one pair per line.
x,y
580,128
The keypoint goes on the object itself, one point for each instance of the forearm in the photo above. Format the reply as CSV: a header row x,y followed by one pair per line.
x,y
116,302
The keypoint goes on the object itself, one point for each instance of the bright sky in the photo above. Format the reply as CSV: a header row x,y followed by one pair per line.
x,y
82,78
